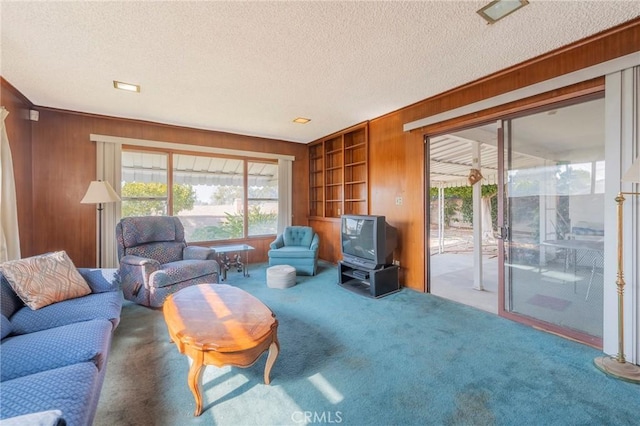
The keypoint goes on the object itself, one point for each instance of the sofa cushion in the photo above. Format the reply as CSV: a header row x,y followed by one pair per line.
x,y
5,328
9,300
42,280
101,280
31,353
92,306
73,389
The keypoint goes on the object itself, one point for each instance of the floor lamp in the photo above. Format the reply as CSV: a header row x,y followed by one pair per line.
x,y
100,192
617,366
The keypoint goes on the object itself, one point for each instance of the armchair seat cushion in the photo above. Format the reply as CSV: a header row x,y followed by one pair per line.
x,y
181,270
293,252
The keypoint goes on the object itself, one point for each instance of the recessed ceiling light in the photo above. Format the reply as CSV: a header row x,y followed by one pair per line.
x,y
498,9
301,120
126,86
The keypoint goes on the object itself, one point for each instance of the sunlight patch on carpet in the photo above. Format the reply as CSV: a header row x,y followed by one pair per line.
x,y
329,392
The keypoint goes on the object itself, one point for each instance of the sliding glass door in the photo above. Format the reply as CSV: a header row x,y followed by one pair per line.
x,y
553,212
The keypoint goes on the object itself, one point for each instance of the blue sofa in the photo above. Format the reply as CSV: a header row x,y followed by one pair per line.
x,y
297,246
53,359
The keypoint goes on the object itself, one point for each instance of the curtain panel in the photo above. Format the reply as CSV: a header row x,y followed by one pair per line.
x,y
109,169
9,234
622,126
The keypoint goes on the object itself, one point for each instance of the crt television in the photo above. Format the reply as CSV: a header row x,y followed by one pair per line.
x,y
367,241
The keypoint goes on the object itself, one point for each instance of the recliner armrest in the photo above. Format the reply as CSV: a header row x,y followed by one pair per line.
x,y
131,260
136,271
277,243
198,253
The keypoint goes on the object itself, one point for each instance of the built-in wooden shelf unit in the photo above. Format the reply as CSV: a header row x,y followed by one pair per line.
x,y
338,180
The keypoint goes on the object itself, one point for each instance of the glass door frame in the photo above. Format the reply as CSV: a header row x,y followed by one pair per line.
x,y
427,198
504,226
530,108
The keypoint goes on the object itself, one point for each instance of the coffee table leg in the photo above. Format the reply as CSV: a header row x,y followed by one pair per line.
x,y
274,350
195,378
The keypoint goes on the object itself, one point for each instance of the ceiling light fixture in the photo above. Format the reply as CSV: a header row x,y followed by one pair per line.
x,y
498,9
126,86
301,120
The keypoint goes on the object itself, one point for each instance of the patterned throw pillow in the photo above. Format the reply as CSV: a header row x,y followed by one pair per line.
x,y
42,280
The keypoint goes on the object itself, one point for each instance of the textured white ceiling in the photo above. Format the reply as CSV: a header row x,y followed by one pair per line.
x,y
252,67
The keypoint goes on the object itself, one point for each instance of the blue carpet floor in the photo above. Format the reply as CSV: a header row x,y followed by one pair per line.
x,y
405,359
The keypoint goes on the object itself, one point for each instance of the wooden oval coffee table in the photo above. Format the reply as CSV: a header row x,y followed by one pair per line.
x,y
216,324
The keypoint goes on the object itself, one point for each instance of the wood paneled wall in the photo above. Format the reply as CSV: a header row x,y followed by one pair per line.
x,y
328,229
64,162
396,158
19,134
396,169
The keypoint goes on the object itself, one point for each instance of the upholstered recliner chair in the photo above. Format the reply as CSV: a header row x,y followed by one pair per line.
x,y
297,246
155,260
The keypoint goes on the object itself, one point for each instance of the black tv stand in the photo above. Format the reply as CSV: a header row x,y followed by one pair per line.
x,y
368,282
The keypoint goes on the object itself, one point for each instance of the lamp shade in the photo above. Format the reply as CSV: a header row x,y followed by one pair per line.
x,y
633,174
100,192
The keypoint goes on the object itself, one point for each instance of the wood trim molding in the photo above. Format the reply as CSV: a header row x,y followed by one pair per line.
x,y
590,73
580,90
184,147
172,127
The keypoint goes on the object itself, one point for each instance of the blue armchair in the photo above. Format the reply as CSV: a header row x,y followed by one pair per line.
x,y
297,246
155,260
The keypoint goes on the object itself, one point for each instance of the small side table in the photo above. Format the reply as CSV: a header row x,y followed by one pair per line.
x,y
230,256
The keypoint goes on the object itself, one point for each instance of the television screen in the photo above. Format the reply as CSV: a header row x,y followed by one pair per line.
x,y
357,237
367,241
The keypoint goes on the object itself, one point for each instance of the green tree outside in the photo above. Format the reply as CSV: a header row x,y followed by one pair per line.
x,y
227,194
233,225
184,197
465,194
